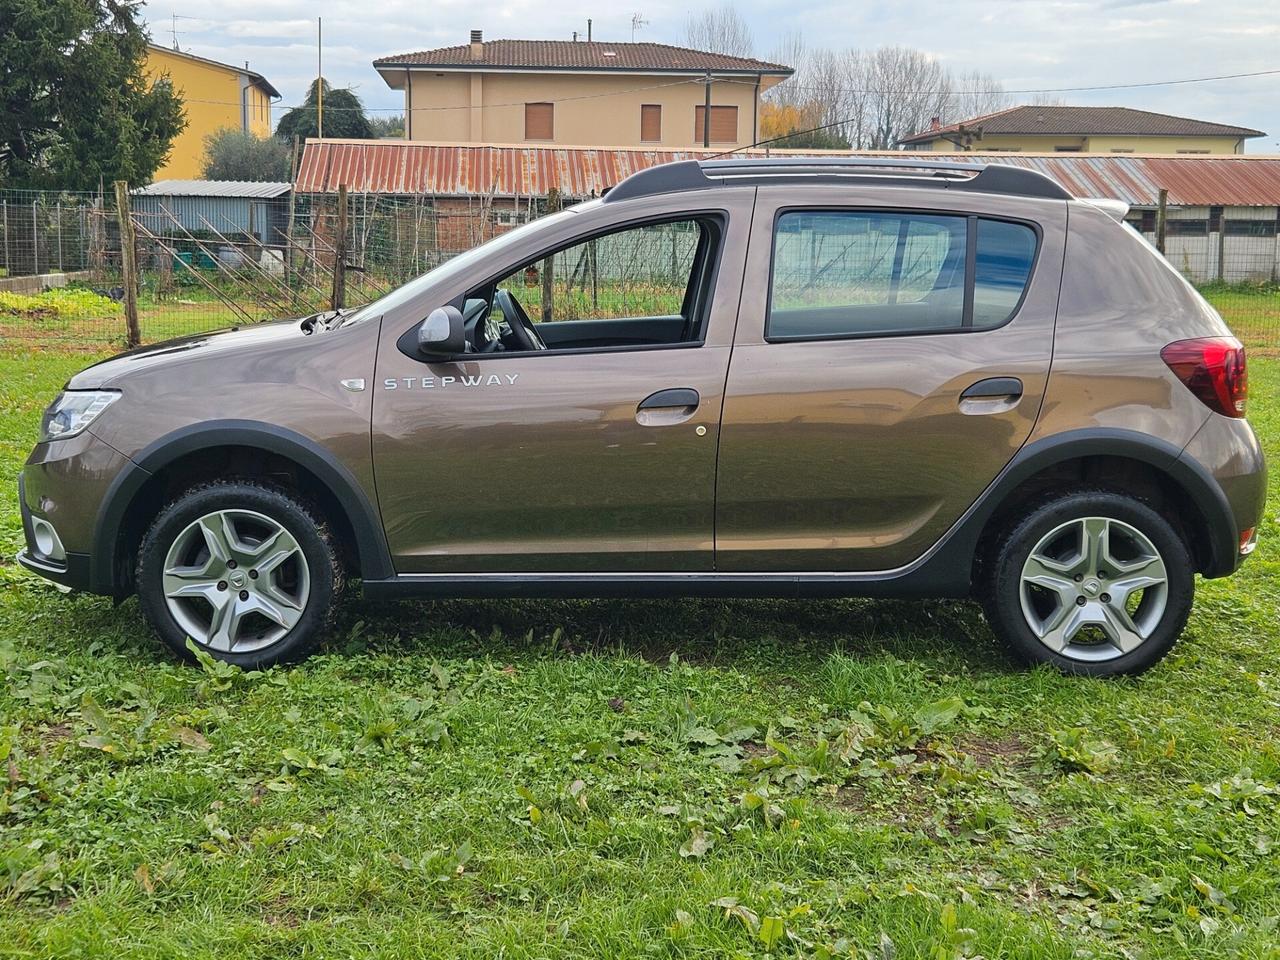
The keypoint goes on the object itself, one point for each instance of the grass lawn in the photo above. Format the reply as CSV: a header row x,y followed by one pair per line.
x,y
620,779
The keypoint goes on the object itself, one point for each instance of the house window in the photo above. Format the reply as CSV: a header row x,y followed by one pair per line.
x,y
724,124
539,121
1068,149
1186,228
1193,151
1249,228
650,122
1122,149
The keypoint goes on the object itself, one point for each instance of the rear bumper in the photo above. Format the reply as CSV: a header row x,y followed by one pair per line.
x,y
1227,450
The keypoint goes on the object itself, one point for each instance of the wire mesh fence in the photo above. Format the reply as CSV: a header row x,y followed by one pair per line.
x,y
207,262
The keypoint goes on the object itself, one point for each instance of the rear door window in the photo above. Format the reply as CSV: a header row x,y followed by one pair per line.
x,y
868,273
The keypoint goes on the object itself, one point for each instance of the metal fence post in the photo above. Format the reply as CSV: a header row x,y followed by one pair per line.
x,y
128,265
1162,209
338,299
59,229
35,242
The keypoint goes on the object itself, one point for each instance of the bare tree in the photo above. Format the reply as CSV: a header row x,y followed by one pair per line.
x,y
719,30
874,98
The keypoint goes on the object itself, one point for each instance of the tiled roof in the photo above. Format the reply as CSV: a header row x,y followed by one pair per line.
x,y
407,167
1088,121
582,55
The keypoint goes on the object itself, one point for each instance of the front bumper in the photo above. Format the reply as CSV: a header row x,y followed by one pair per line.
x,y
61,489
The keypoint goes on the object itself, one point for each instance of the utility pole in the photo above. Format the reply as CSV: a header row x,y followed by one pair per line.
x,y
706,113
320,76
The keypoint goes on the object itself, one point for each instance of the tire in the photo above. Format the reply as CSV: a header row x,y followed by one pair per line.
x,y
211,540
1047,577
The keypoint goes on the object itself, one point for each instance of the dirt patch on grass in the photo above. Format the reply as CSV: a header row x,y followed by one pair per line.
x,y
1008,750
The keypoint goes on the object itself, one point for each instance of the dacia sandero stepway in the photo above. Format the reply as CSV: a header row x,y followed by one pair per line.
x,y
782,378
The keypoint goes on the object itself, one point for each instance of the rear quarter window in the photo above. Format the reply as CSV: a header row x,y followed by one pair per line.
x,y
857,273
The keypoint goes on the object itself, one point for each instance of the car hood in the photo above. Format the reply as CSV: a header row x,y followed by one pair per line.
x,y
229,342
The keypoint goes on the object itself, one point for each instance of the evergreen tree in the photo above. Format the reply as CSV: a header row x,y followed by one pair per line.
x,y
343,116
76,109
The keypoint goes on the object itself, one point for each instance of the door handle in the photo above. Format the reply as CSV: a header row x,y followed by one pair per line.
x,y
993,395
667,407
994,388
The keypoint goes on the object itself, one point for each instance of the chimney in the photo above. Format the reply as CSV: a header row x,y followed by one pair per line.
x,y
477,45
935,123
588,29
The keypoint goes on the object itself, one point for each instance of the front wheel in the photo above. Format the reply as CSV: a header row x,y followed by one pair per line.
x,y
246,571
1094,582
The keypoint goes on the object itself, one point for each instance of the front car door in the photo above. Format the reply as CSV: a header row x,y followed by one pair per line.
x,y
595,454
889,361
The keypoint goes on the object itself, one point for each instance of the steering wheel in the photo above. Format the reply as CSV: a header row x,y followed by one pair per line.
x,y
522,328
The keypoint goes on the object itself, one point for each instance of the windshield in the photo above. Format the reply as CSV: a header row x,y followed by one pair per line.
x,y
403,294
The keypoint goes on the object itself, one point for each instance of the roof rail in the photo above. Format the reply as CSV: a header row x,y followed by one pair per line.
x,y
967,176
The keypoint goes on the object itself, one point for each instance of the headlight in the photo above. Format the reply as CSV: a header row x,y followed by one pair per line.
x,y
73,411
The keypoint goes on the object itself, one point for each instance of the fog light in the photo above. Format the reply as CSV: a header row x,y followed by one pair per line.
x,y
47,543
1248,541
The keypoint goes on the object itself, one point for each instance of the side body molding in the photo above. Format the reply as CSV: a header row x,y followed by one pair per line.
x,y
370,542
945,570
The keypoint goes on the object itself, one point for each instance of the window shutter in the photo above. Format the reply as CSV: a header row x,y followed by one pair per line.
x,y
650,122
538,121
724,124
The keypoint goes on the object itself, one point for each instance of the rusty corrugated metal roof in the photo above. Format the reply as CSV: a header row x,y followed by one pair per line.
x,y
439,169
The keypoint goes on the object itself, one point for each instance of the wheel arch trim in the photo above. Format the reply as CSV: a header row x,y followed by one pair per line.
x,y
341,484
1191,477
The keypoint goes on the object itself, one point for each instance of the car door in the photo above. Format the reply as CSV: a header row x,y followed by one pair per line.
x,y
890,358
596,454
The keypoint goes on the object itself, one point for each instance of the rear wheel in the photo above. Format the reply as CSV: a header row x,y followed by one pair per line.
x,y
1094,582
246,571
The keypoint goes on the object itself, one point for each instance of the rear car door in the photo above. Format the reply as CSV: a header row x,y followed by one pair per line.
x,y
891,355
596,454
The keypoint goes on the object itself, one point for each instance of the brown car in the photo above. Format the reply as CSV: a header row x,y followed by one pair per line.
x,y
784,378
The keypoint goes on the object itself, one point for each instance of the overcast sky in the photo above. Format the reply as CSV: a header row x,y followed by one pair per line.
x,y
1024,43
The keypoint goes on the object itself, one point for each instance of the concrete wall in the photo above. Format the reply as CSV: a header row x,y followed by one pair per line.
x,y
42,281
1217,255
590,109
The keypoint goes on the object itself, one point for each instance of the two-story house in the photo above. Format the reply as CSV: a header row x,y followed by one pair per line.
x,y
1052,129
581,93
214,96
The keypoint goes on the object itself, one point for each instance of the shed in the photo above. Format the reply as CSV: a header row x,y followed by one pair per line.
x,y
237,209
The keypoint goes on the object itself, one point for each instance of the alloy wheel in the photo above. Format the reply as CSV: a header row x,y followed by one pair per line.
x,y
236,581
1094,589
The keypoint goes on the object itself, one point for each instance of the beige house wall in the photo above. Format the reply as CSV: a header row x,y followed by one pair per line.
x,y
1093,144
590,109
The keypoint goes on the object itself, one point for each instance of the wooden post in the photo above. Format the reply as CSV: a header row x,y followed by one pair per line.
x,y
1162,210
128,265
338,299
549,265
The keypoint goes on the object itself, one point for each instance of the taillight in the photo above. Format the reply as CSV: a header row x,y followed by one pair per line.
x,y
1214,369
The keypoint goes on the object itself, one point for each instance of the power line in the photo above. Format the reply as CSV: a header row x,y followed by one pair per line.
x,y
985,93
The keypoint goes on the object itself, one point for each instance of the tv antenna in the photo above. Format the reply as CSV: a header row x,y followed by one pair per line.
x,y
637,22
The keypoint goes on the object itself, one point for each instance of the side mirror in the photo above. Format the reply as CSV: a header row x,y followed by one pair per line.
x,y
442,335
